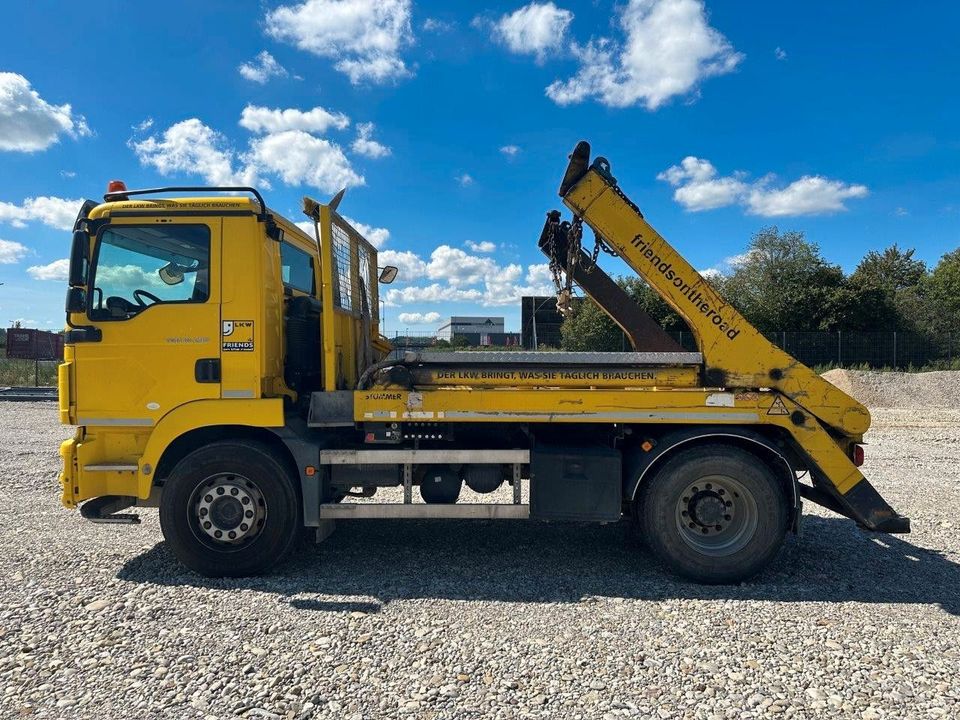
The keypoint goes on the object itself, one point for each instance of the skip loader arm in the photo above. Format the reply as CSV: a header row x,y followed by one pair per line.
x,y
824,421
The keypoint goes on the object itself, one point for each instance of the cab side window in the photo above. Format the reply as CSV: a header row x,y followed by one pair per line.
x,y
139,266
297,269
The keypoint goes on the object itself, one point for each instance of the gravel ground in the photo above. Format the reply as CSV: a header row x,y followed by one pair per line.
x,y
886,389
504,620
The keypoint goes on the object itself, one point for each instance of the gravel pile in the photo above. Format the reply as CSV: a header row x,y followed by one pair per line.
x,y
882,389
493,620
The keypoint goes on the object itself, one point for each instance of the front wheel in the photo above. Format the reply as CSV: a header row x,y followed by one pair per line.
x,y
714,514
230,509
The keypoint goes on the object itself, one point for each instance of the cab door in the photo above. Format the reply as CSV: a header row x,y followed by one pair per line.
x,y
154,294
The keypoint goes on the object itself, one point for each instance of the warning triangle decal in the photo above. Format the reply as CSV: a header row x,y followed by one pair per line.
x,y
778,408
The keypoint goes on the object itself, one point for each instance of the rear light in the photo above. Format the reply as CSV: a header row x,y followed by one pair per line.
x,y
858,455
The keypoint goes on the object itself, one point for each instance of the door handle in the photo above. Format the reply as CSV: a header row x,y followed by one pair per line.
x,y
207,370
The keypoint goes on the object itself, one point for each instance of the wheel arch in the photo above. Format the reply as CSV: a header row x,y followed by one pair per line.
x,y
295,452
191,440
639,465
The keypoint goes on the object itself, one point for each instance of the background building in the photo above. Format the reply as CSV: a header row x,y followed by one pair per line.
x,y
469,326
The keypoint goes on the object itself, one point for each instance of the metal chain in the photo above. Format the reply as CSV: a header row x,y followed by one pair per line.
x,y
598,245
565,294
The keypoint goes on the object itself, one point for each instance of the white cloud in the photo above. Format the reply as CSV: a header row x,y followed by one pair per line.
x,y
409,264
68,174
484,246
365,37
59,213
262,68
700,187
415,318
57,270
11,252
459,268
438,26
295,156
540,276
431,293
901,212
810,195
143,125
29,123
271,120
376,236
668,49
465,179
461,277
510,150
366,145
299,158
780,53
508,291
191,147
535,29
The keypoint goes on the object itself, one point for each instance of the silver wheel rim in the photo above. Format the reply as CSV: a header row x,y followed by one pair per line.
x,y
716,515
227,511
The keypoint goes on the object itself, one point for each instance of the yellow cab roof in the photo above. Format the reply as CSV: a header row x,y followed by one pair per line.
x,y
203,204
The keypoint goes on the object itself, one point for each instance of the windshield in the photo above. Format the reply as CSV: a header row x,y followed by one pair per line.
x,y
139,266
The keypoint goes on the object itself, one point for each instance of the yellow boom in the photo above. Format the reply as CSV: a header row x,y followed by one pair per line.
x,y
825,421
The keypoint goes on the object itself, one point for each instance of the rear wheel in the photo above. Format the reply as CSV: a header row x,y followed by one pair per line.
x,y
230,509
714,514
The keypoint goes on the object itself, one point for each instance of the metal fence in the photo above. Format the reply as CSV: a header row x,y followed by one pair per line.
x,y
28,373
874,349
861,348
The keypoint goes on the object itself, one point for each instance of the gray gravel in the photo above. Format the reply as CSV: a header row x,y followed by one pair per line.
x,y
505,620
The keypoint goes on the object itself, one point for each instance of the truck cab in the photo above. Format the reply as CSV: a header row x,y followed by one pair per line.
x,y
190,316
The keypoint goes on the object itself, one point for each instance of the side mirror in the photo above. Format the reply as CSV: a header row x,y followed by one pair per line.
x,y
388,274
79,252
76,300
171,273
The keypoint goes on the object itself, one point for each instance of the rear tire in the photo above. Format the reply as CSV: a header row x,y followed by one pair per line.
x,y
230,509
714,514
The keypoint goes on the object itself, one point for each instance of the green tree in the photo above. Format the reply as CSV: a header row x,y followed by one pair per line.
x,y
890,285
892,270
783,282
943,288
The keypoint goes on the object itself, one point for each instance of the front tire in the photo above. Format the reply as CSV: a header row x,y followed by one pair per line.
x,y
230,509
714,514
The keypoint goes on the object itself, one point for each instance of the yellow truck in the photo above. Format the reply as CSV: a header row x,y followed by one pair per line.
x,y
227,367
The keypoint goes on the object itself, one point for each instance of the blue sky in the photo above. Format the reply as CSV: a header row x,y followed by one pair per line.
x,y
451,123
